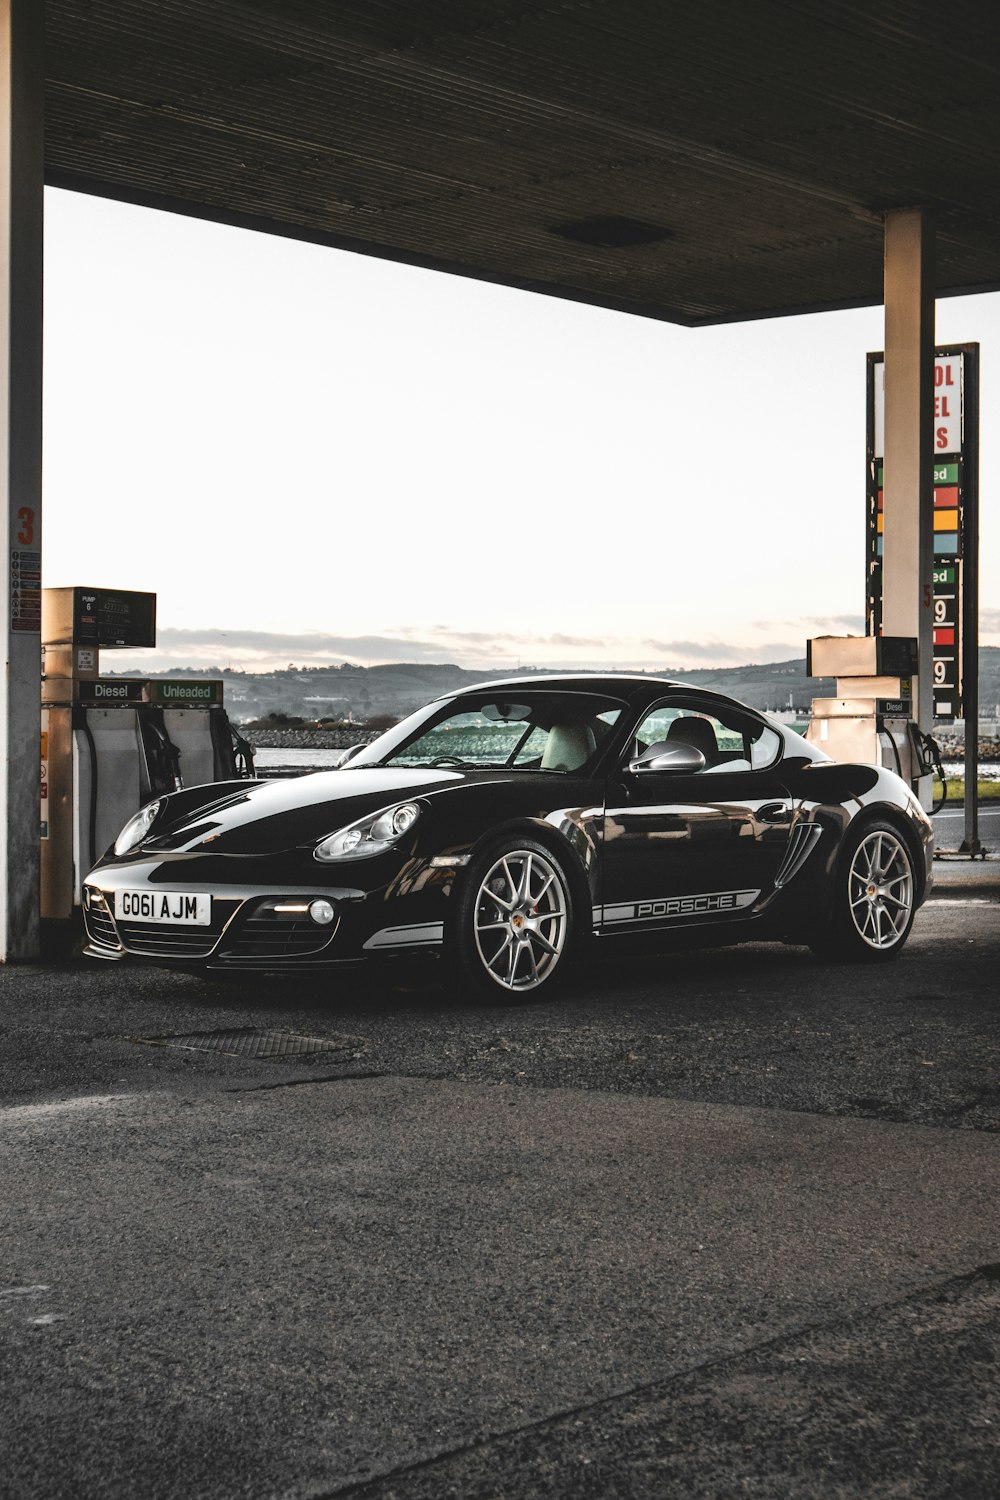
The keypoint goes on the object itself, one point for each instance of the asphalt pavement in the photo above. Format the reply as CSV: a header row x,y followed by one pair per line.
x,y
949,826
710,1224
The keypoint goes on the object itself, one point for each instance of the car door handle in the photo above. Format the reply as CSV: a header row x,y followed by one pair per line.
x,y
774,812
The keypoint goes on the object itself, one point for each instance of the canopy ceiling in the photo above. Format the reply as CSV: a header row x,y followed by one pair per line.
x,y
696,162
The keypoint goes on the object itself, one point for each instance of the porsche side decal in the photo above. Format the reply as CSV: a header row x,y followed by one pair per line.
x,y
707,903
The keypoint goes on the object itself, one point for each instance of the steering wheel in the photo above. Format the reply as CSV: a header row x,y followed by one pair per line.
x,y
449,760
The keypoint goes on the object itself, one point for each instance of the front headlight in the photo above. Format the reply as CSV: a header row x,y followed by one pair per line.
x,y
371,835
137,827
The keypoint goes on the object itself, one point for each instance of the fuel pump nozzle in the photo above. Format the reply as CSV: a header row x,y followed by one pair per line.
x,y
163,759
926,753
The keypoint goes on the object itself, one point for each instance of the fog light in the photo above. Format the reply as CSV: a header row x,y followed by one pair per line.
x,y
322,912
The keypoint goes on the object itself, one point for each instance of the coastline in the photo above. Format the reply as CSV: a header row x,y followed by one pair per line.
x,y
305,738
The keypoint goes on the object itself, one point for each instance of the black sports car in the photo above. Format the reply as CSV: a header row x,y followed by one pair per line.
x,y
503,826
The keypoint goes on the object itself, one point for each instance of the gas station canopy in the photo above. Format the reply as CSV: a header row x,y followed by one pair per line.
x,y
693,162
696,161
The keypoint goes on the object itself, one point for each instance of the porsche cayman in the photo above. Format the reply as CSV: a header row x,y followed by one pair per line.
x,y
504,827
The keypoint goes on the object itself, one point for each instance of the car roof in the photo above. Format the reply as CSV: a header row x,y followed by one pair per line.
x,y
626,685
630,687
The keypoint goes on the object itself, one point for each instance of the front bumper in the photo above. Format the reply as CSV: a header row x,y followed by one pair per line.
x,y
255,925
251,929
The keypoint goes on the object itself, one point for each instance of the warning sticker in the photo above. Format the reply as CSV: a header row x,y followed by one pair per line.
x,y
25,590
44,787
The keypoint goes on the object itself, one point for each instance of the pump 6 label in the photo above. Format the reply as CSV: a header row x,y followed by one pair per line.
x,y
164,906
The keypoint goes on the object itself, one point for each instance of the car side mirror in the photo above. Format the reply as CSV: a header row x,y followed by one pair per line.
x,y
677,758
348,754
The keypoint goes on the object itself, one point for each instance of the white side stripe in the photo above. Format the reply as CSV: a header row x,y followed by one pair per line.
x,y
413,936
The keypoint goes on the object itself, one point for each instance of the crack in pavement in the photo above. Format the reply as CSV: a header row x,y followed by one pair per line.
x,y
373,1486
294,1083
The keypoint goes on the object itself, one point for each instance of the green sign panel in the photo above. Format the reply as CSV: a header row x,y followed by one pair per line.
x,y
186,692
943,474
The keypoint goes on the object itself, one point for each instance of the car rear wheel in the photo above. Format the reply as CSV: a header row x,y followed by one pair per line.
x,y
513,923
874,899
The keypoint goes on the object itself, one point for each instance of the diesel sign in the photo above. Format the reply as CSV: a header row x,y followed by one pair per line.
x,y
110,692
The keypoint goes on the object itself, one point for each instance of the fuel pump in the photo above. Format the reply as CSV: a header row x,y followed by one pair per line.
x,y
870,718
111,744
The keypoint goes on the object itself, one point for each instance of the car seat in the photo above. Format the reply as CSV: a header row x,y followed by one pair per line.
x,y
696,732
568,747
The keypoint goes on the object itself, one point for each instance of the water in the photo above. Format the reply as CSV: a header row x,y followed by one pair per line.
x,y
303,760
308,758
320,760
988,770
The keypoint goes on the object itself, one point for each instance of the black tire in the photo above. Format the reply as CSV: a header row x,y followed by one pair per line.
x,y
509,937
873,900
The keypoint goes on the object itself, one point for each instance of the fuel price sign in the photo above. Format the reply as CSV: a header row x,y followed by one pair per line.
x,y
956,475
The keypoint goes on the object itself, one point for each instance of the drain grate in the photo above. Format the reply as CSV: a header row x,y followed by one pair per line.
x,y
252,1041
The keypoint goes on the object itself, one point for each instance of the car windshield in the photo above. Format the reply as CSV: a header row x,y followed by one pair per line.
x,y
516,729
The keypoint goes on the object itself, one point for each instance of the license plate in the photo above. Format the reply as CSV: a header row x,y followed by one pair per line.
x,y
178,907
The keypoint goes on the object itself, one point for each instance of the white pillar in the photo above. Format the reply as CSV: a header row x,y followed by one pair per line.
x,y
21,190
907,562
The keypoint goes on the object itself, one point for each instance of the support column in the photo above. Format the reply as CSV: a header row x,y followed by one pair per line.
x,y
908,556
21,194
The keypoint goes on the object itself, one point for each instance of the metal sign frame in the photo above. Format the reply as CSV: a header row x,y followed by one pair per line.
x,y
955,583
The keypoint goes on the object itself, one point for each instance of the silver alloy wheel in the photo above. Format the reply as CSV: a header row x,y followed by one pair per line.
x,y
880,889
521,919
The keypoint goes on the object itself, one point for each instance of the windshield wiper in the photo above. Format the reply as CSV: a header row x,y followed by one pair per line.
x,y
451,764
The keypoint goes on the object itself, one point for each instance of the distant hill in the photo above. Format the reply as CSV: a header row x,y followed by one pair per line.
x,y
783,684
326,692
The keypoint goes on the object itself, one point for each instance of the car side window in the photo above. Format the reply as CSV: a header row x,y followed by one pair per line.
x,y
729,739
765,748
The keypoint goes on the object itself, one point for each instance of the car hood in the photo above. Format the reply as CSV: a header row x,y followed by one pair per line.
x,y
268,816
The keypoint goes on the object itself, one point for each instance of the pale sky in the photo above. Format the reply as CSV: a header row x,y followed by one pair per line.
x,y
312,456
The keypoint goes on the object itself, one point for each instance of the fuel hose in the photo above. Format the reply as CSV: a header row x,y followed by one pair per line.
x,y
88,735
933,749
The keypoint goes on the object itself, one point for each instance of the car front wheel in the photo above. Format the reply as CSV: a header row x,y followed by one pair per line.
x,y
874,899
513,923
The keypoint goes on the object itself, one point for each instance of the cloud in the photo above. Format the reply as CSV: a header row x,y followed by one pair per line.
x,y
679,654
716,652
442,632
776,651
835,624
312,643
829,624
518,639
588,643
989,621
329,645
471,637
264,650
